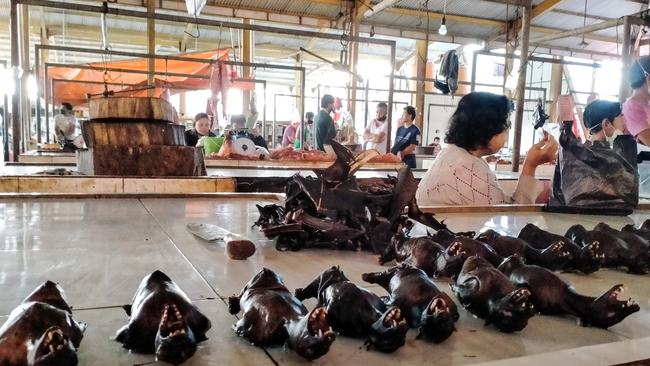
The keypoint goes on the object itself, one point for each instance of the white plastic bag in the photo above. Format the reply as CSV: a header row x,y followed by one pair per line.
x,y
194,7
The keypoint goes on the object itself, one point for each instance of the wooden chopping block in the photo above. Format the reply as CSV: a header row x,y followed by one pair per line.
x,y
128,133
144,161
126,108
237,246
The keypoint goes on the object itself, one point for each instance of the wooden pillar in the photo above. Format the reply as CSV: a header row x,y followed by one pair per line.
x,y
151,43
15,64
556,89
508,64
421,47
247,50
353,60
521,86
626,57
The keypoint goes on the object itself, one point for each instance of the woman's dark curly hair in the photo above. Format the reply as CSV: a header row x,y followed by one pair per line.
x,y
478,117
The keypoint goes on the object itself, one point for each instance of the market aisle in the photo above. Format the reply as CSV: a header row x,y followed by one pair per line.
x,y
99,250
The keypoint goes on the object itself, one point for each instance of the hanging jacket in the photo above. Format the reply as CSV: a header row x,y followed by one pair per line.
x,y
449,70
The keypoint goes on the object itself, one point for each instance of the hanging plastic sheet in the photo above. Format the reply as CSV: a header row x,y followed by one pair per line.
x,y
194,7
594,178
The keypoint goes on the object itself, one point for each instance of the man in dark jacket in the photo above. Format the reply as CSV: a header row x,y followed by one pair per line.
x,y
325,129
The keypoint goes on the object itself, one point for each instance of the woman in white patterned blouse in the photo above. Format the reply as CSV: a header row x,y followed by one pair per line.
x,y
459,176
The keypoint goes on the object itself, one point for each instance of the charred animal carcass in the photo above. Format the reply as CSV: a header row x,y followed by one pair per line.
x,y
272,315
334,211
41,331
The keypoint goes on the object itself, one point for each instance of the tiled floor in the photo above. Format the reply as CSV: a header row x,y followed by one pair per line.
x,y
98,250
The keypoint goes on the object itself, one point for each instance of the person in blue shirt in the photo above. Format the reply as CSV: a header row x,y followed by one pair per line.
x,y
407,138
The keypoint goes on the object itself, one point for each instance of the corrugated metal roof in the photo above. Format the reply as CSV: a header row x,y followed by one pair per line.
x,y
387,18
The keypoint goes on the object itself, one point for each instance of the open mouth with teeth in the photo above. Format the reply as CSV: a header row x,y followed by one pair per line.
x,y
388,333
557,255
311,336
607,309
318,325
53,348
437,322
590,258
511,313
175,341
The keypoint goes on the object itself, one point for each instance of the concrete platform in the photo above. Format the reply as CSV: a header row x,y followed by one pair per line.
x,y
99,250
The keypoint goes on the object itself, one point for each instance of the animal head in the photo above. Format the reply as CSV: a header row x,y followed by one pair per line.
x,y
511,312
311,336
175,342
608,310
388,333
437,322
54,348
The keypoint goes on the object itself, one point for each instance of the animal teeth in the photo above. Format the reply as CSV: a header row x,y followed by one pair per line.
x,y
320,332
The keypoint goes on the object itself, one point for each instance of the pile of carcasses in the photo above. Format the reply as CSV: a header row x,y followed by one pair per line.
x,y
501,279
335,211
506,280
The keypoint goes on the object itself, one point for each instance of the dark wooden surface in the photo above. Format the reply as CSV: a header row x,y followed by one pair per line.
x,y
148,161
132,108
128,133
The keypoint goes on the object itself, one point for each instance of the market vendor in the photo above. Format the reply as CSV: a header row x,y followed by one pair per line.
x,y
308,134
604,120
325,129
459,176
637,108
289,135
377,131
201,129
407,138
66,129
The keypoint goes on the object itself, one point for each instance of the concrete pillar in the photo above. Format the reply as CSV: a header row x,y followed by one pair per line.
x,y
15,65
25,103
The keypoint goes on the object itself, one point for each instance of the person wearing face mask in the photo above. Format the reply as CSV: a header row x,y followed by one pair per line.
x,y
377,130
604,120
637,108
460,176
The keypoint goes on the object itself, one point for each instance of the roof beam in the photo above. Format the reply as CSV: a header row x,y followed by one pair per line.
x,y
538,10
579,31
544,7
511,2
580,15
379,7
450,17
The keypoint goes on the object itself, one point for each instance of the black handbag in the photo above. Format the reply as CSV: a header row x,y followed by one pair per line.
x,y
592,178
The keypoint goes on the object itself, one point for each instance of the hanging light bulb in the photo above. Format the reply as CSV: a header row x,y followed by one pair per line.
x,y
443,26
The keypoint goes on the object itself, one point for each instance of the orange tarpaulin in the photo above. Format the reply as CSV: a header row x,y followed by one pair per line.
x,y
75,92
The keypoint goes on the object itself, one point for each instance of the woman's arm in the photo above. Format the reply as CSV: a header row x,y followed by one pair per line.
x,y
644,137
